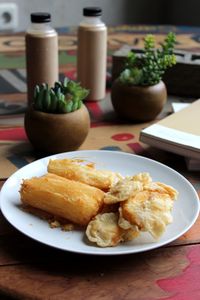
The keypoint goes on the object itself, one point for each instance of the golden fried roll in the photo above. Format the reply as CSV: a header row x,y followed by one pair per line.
x,y
105,231
72,169
72,200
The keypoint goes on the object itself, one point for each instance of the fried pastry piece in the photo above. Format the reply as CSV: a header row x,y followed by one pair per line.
x,y
149,210
162,188
144,178
72,169
105,231
125,188
125,224
72,200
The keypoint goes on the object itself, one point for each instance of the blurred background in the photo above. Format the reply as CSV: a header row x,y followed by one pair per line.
x,y
15,15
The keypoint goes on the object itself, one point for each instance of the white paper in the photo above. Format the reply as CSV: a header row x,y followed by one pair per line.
x,y
173,135
178,106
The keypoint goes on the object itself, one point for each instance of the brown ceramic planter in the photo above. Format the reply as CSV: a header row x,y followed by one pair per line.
x,y
54,133
138,103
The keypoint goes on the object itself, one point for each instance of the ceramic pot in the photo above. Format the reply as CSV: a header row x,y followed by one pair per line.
x,y
138,103
54,133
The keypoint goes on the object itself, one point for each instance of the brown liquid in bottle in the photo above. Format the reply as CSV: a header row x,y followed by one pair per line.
x,y
91,58
41,58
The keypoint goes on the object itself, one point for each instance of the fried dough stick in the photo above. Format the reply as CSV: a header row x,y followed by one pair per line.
x,y
72,169
71,200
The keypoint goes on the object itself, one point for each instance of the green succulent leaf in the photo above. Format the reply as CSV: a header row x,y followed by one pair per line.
x,y
79,104
46,101
75,106
39,99
57,85
69,106
53,103
36,91
61,106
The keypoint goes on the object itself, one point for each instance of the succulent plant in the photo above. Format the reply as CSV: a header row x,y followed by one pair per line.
x,y
149,67
64,97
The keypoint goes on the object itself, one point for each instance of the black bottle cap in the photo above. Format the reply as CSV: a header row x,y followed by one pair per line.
x,y
92,11
40,17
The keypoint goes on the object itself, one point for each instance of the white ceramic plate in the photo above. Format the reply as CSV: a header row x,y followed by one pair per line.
x,y
185,212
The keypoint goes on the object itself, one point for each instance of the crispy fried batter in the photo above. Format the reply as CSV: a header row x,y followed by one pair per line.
x,y
125,224
144,178
105,231
162,188
122,190
150,211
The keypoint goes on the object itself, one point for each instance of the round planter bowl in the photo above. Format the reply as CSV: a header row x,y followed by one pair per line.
x,y
54,133
138,103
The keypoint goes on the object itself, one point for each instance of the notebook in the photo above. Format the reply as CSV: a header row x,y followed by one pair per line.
x,y
178,133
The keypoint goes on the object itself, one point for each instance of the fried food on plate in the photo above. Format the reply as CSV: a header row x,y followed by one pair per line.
x,y
127,187
74,170
105,231
114,209
122,190
162,188
149,210
72,200
143,177
125,224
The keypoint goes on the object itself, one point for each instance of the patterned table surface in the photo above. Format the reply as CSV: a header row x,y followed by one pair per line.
x,y
29,270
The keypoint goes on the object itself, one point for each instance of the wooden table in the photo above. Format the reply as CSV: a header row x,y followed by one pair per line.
x,y
30,270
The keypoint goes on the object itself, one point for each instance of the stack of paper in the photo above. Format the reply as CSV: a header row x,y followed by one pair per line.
x,y
178,133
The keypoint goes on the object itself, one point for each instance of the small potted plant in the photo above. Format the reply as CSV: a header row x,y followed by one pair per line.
x,y
57,120
139,93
